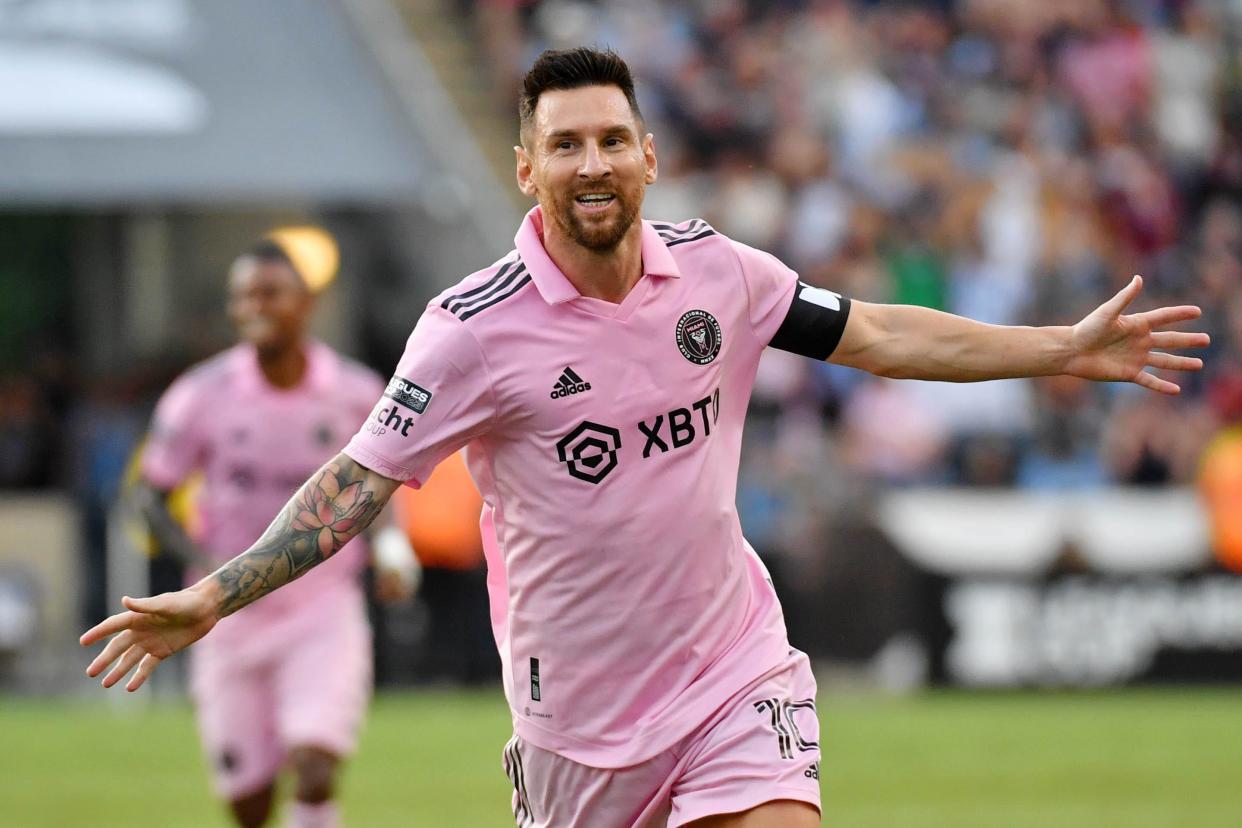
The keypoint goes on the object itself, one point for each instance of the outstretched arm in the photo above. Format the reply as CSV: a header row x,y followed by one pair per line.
x,y
337,503
907,342
327,512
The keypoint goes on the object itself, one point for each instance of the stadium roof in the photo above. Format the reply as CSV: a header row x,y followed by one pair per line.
x,y
121,101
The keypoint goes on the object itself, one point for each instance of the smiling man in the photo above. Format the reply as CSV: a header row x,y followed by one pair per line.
x,y
284,683
599,376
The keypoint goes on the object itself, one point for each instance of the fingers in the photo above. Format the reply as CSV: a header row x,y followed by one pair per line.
x,y
1180,339
115,647
1154,383
145,668
106,627
132,656
122,620
1124,297
155,604
1162,317
1173,362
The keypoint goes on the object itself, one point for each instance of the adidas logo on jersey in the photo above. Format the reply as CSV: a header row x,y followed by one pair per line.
x,y
569,383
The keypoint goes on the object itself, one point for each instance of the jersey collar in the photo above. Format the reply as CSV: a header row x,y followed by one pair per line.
x,y
551,282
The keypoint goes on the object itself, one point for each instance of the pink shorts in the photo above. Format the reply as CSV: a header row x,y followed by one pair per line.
x,y
305,683
761,746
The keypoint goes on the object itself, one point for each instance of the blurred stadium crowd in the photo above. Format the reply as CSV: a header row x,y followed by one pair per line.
x,y
1009,161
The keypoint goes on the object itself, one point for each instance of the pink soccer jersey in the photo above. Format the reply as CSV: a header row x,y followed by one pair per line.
x,y
256,445
605,440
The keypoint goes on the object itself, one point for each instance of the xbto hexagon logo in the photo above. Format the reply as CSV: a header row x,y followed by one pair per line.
x,y
589,451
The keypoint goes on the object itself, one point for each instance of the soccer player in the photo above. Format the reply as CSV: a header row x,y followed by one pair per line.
x,y
599,375
285,682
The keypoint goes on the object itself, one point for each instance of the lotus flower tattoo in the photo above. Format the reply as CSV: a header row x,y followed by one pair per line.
x,y
330,511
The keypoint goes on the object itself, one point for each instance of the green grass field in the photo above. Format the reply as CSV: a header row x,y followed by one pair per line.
x,y
1134,759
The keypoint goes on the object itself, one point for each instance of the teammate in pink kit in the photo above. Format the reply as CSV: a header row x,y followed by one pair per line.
x,y
285,681
598,376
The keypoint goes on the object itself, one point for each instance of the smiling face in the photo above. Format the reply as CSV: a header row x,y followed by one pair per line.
x,y
587,161
269,304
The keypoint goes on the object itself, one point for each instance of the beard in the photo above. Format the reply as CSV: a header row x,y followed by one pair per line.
x,y
599,235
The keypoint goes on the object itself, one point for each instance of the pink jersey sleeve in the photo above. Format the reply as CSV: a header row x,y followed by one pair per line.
x,y
175,445
770,288
439,399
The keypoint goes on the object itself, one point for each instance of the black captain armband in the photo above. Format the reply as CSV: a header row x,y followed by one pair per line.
x,y
814,323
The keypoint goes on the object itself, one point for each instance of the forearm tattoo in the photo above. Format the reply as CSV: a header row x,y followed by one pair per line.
x,y
330,508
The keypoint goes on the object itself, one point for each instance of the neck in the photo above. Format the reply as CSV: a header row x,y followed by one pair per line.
x,y
606,274
283,367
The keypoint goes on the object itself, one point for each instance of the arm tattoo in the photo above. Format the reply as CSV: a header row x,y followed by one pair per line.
x,y
330,508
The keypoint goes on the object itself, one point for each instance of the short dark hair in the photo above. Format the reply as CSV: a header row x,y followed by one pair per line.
x,y
269,251
572,69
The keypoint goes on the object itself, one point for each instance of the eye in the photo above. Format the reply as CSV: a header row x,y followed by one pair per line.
x,y
565,145
613,142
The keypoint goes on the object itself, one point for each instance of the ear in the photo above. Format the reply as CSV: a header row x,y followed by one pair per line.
x,y
649,156
525,169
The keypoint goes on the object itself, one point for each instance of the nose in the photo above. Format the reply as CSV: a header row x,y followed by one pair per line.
x,y
247,305
594,165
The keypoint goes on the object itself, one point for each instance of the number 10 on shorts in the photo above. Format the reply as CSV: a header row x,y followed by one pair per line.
x,y
788,736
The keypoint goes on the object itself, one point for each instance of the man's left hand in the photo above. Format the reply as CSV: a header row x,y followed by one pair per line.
x,y
1111,345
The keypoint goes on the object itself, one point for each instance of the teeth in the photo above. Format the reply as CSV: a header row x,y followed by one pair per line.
x,y
595,198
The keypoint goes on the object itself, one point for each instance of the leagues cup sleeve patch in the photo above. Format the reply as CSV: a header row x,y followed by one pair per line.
x,y
408,394
814,323
698,336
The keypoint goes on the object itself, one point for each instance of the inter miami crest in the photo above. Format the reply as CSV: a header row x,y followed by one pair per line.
x,y
698,336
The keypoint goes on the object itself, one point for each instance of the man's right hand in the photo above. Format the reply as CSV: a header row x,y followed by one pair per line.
x,y
150,631
337,503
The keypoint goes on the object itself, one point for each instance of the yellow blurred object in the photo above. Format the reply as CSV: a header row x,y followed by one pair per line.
x,y
441,519
182,504
1220,481
313,250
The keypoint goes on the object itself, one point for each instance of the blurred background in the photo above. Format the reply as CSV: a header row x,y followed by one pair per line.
x,y
1010,161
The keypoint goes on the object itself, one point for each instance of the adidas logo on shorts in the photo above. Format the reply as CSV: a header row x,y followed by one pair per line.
x,y
569,383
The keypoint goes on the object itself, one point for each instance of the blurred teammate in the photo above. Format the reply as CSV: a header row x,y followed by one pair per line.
x,y
285,682
599,375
